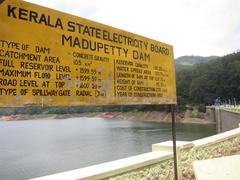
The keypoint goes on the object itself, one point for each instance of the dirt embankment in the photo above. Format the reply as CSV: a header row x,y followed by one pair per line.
x,y
150,116
155,116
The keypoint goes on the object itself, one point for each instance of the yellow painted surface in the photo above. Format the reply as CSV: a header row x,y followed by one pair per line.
x,y
51,58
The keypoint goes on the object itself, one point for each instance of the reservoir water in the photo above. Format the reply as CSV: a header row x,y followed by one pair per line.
x,y
36,148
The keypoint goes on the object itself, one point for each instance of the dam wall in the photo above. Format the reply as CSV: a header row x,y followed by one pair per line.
x,y
226,118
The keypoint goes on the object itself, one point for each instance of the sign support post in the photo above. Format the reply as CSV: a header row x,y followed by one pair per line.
x,y
174,141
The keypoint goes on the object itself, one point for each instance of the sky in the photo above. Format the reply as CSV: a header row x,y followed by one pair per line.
x,y
193,27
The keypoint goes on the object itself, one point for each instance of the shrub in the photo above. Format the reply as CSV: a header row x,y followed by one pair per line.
x,y
202,108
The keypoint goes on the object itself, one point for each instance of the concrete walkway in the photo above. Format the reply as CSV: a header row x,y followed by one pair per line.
x,y
224,168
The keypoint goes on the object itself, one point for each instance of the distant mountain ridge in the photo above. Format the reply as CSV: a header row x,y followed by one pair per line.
x,y
191,60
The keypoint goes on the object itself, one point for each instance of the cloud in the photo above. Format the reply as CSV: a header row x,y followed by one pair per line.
x,y
83,8
199,27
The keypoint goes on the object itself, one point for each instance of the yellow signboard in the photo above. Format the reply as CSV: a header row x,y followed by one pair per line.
x,y
52,58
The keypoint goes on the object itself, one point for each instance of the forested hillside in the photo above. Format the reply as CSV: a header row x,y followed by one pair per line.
x,y
202,83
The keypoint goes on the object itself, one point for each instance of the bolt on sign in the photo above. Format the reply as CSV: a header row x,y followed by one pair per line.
x,y
52,58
